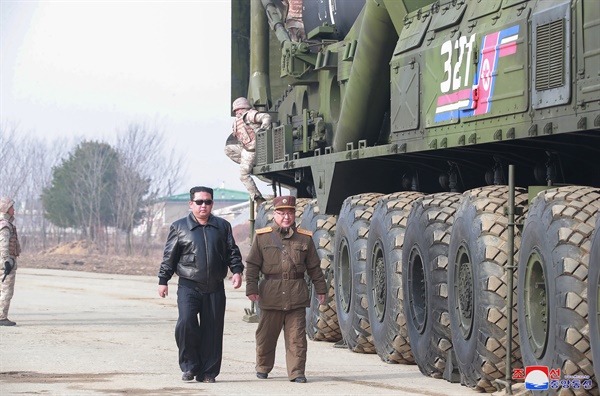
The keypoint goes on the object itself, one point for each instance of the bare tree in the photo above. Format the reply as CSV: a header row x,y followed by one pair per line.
x,y
146,173
13,172
27,163
40,158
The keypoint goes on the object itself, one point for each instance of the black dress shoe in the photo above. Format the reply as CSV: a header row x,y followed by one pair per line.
x,y
187,376
209,380
262,375
301,379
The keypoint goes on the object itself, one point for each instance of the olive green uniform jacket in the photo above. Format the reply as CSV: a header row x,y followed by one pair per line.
x,y
283,287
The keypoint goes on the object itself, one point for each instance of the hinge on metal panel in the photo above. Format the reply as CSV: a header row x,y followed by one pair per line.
x,y
496,17
511,133
532,130
471,26
430,38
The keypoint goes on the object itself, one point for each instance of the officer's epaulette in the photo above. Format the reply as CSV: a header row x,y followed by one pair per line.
x,y
264,230
303,231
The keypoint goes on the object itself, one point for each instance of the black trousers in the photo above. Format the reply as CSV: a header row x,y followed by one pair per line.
x,y
199,331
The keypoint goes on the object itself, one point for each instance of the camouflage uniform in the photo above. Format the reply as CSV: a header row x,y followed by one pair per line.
x,y
293,21
9,251
283,293
241,144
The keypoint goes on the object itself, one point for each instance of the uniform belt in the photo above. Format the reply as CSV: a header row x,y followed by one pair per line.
x,y
285,276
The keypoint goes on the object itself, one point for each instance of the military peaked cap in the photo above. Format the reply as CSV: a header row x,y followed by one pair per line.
x,y
284,202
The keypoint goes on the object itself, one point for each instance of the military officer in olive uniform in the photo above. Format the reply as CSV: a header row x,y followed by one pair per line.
x,y
283,253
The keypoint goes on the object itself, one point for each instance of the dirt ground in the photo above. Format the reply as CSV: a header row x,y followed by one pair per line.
x,y
93,334
76,257
66,349
91,263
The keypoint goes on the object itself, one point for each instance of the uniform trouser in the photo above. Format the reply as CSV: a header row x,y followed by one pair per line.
x,y
294,332
246,159
7,289
199,331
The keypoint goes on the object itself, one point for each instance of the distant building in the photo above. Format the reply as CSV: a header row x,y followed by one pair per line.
x,y
174,207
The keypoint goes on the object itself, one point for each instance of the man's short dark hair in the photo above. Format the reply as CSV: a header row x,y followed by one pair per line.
x,y
196,189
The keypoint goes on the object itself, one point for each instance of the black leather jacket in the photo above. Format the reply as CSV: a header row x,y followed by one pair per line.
x,y
200,253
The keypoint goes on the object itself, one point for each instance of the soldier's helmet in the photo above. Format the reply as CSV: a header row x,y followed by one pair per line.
x,y
241,103
5,204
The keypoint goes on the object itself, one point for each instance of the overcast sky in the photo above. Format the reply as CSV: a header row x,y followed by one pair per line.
x,y
90,68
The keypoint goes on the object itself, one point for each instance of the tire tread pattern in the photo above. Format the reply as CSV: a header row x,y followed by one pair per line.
x,y
390,335
568,217
321,320
353,224
487,225
429,228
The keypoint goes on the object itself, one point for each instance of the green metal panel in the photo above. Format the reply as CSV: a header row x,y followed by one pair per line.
x,y
415,27
264,148
471,75
588,61
480,8
510,3
282,142
406,98
551,65
454,87
449,14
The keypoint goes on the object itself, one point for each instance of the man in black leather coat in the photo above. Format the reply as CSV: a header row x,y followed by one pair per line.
x,y
199,249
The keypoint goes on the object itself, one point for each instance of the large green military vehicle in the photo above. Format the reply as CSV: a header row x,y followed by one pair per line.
x,y
448,153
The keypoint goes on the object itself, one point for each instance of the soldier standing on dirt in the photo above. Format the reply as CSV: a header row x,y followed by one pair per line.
x,y
200,248
283,253
9,251
241,144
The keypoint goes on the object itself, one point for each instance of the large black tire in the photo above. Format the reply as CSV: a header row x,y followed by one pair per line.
x,y
350,253
425,280
264,215
321,320
594,298
384,277
553,274
477,289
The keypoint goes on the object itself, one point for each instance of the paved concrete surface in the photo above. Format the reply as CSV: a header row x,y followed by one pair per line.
x,y
83,333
